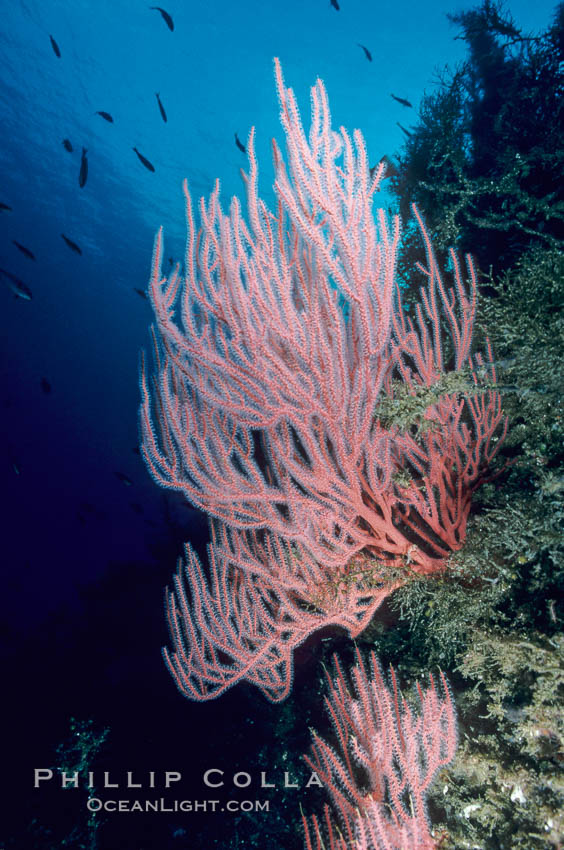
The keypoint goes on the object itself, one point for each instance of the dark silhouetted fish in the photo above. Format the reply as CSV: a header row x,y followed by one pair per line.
x,y
136,507
166,17
67,145
144,160
124,479
45,386
391,169
16,468
88,511
105,115
402,128
366,51
72,245
5,207
18,287
170,260
335,5
161,107
140,292
83,175
55,47
24,250
402,100
240,144
136,450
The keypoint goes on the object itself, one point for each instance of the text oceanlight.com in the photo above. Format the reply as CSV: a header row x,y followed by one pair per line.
x,y
95,804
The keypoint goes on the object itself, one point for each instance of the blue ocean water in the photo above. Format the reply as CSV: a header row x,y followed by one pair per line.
x,y
78,504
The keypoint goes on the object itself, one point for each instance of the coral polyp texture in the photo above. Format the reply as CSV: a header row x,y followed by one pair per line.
x,y
333,444
387,758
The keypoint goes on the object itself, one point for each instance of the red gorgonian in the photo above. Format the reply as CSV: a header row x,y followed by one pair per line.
x,y
279,359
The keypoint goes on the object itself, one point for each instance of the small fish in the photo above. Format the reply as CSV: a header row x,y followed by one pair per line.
x,y
5,207
124,479
366,51
161,107
72,245
402,128
136,450
240,144
140,292
18,287
45,386
24,250
83,175
16,468
144,160
335,5
170,260
391,170
67,145
136,507
402,100
168,20
105,115
55,47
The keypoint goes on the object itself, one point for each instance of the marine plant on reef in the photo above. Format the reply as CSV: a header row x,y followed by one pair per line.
x,y
333,443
